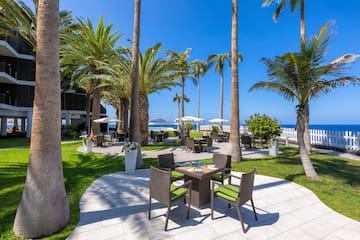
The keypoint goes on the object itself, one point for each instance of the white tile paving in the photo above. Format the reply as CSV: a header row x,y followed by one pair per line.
x,y
115,207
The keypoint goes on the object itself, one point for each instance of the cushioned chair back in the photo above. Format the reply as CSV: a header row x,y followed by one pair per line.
x,y
245,139
209,142
160,185
222,161
190,143
166,161
246,187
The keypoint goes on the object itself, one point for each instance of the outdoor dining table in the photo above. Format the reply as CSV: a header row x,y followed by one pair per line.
x,y
200,194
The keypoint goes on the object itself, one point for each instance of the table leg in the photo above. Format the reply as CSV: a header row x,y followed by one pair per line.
x,y
200,194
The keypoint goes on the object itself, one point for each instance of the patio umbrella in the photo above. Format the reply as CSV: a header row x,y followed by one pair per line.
x,y
218,120
106,120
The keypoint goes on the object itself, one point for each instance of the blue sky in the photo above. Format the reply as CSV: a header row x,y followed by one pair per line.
x,y
205,26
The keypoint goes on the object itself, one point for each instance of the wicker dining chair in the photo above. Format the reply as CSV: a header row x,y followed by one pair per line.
x,y
236,195
163,191
221,161
166,161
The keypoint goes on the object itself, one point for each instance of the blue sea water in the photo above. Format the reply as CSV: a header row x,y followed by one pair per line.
x,y
333,127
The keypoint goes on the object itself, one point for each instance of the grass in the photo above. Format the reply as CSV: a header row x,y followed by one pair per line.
x,y
339,187
14,142
80,170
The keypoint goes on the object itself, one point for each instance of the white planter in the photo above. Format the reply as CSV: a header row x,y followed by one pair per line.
x,y
130,161
274,147
88,146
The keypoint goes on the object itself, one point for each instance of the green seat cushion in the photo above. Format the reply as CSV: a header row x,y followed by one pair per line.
x,y
225,192
217,176
178,193
176,175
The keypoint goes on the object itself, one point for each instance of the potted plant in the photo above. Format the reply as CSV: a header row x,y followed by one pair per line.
x,y
130,149
88,144
265,127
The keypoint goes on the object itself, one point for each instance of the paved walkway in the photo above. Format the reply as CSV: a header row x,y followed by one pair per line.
x,y
115,207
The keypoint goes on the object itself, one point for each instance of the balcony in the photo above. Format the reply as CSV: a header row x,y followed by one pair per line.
x,y
18,45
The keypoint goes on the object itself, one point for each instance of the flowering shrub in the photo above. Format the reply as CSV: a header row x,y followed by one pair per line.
x,y
88,138
129,146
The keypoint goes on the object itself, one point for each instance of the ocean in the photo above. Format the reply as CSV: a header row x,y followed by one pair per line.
x,y
333,127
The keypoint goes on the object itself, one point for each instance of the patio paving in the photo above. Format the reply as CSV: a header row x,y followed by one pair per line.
x,y
115,207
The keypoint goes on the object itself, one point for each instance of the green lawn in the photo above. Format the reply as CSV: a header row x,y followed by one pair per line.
x,y
339,187
14,142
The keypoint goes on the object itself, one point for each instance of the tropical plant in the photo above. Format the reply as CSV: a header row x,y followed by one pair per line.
x,y
219,61
83,56
263,126
304,76
17,18
44,208
135,135
178,98
155,74
199,68
182,72
235,119
293,4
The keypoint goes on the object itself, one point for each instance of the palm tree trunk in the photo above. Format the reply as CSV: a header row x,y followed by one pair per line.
x,y
87,109
306,161
307,139
144,118
221,99
302,24
44,209
198,110
234,127
95,127
134,111
124,114
182,108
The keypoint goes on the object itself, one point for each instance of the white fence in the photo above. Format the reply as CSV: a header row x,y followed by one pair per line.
x,y
337,139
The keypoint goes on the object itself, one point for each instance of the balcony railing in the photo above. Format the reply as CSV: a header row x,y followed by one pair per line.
x,y
19,45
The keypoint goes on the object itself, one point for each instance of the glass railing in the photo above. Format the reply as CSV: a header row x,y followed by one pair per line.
x,y
19,45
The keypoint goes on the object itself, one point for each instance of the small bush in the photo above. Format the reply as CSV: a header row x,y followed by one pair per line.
x,y
263,126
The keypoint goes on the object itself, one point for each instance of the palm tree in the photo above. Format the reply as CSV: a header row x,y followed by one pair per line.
x,y
17,14
154,75
183,71
235,115
134,111
84,53
293,4
219,61
199,68
44,209
303,76
178,98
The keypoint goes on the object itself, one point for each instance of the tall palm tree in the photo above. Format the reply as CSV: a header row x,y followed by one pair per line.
x,y
44,209
219,61
135,134
155,74
178,98
293,5
303,76
84,53
199,68
183,71
235,114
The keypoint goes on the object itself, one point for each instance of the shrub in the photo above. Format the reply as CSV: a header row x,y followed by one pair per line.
x,y
263,126
188,126
215,129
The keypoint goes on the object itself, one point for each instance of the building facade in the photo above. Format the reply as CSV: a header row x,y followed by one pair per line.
x,y
17,83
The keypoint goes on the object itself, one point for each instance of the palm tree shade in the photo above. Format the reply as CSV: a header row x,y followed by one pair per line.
x,y
303,76
44,209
